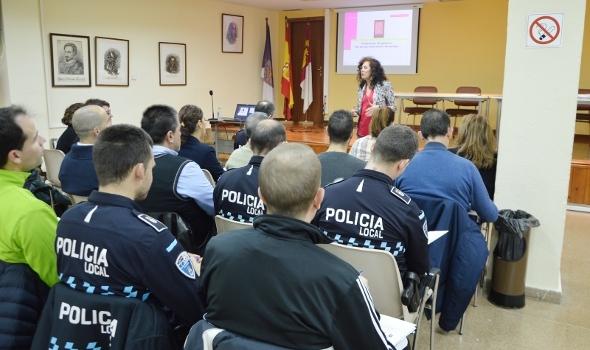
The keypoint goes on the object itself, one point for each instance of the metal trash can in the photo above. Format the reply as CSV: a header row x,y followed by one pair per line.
x,y
510,258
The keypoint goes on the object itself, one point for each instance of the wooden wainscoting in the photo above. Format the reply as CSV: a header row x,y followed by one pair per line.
x,y
579,191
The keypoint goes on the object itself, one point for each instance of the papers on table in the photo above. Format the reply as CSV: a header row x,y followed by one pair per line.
x,y
434,235
396,330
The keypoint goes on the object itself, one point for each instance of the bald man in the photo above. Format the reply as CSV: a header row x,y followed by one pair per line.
x,y
272,283
77,175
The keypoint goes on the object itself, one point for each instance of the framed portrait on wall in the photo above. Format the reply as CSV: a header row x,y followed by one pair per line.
x,y
111,61
232,33
172,63
70,60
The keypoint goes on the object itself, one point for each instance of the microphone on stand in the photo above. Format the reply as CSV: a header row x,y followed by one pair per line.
x,y
212,109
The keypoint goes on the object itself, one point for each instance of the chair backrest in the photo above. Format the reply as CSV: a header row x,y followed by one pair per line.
x,y
583,106
53,159
430,101
380,269
209,177
467,90
224,225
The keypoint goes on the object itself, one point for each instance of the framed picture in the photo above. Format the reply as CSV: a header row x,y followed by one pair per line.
x,y
232,33
70,60
172,63
111,61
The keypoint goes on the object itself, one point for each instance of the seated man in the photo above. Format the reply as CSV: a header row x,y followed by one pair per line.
x,y
272,283
265,107
236,193
179,184
27,232
337,164
366,210
241,156
77,175
439,173
107,246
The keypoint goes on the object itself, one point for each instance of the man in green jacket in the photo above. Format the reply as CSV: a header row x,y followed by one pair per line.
x,y
27,225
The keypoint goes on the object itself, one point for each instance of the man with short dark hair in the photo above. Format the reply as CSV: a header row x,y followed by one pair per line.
x,y
337,164
272,283
179,184
263,106
27,232
241,156
76,174
107,246
236,193
367,211
436,172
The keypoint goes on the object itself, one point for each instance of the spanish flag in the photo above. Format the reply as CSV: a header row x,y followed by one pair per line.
x,y
286,89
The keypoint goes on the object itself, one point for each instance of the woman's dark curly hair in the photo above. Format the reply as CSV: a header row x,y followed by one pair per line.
x,y
189,116
377,73
69,113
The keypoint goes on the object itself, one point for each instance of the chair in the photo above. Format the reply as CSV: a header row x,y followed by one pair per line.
x,y
53,159
209,177
224,225
421,101
385,283
458,112
583,110
205,336
78,199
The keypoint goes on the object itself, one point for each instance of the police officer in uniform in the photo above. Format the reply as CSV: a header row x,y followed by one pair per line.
x,y
107,246
367,211
236,194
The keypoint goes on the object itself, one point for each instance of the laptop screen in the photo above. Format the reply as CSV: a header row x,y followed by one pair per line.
x,y
243,111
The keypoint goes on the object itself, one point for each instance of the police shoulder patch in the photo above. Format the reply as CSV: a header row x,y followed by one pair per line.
x,y
155,224
184,264
399,194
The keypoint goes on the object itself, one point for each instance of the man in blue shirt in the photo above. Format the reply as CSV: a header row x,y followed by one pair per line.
x,y
236,193
76,174
439,173
179,184
107,246
367,211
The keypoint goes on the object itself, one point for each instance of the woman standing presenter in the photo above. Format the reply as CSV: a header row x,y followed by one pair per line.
x,y
374,92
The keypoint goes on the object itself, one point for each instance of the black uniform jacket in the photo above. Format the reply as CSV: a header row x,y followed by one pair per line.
x,y
272,283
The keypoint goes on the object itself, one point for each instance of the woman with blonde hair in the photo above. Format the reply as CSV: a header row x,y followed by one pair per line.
x,y
477,143
363,147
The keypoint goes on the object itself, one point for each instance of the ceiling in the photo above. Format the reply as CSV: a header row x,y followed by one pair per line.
x,y
309,4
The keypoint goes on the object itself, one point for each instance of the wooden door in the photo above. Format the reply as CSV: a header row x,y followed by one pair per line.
x,y
298,27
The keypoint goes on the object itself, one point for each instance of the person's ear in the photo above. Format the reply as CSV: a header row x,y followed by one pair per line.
x,y
15,156
319,198
261,196
420,135
139,171
450,132
170,136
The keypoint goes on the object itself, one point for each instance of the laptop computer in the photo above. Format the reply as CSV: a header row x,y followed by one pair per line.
x,y
243,111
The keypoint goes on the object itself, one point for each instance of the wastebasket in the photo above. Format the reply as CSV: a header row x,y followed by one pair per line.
x,y
510,257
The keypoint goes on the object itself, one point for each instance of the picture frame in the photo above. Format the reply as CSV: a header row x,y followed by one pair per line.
x,y
111,61
70,60
172,63
232,33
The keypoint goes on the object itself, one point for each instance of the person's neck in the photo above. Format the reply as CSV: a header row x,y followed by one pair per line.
x,y
382,168
88,141
338,147
440,139
13,167
122,189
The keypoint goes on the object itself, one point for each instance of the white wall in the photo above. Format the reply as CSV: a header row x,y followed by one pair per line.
x,y
234,77
4,92
536,137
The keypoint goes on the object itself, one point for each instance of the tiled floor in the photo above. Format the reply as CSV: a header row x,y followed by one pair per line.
x,y
539,325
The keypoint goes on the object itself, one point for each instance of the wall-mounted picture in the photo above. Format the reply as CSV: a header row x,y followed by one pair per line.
x,y
232,33
70,60
111,61
172,63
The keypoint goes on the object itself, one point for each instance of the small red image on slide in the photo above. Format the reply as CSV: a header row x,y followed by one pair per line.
x,y
379,31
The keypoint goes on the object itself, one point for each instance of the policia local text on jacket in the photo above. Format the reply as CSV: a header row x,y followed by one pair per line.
x,y
272,283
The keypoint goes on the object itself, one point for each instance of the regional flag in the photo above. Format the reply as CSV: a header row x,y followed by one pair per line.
x,y
306,73
268,86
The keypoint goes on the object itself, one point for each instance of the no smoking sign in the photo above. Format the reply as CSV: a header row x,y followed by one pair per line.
x,y
544,30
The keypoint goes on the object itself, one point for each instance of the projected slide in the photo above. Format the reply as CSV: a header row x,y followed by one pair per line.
x,y
388,35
